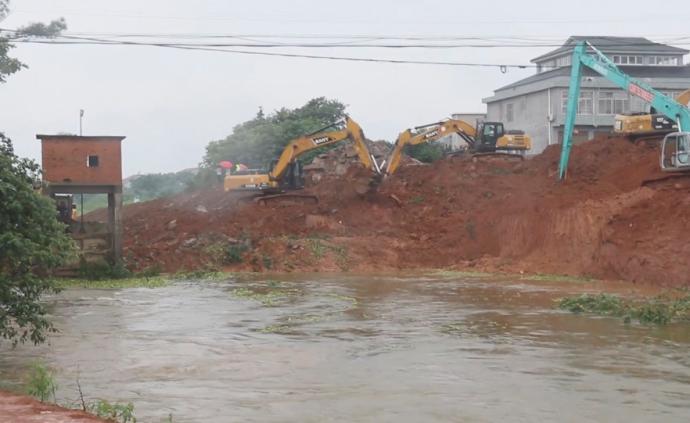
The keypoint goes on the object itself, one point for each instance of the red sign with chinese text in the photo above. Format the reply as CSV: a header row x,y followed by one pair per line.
x,y
641,92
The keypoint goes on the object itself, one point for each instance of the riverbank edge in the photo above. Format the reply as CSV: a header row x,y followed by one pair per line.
x,y
164,279
18,408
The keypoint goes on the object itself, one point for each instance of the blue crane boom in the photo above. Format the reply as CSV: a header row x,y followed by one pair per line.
x,y
606,68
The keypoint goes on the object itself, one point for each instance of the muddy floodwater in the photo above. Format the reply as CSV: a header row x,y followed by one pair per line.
x,y
315,348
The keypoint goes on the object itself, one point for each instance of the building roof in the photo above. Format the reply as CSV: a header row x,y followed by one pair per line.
x,y
615,44
80,137
634,71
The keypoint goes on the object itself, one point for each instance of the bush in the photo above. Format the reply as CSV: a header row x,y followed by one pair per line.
x,y
101,270
113,412
426,152
41,384
221,253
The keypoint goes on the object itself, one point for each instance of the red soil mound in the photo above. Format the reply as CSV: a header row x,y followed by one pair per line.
x,y
21,409
492,214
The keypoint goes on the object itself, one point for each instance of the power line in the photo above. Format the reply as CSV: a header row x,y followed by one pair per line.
x,y
371,41
292,55
231,48
350,20
91,39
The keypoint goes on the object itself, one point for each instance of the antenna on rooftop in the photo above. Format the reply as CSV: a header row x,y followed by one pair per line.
x,y
81,116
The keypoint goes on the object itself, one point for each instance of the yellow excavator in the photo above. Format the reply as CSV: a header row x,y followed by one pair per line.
x,y
286,173
486,139
648,126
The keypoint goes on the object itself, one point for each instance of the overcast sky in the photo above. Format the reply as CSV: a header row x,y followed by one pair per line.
x,y
171,103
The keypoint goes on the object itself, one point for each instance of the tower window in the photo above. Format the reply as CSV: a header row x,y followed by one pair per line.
x,y
92,161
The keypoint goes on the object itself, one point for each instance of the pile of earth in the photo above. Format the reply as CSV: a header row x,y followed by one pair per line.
x,y
337,161
490,214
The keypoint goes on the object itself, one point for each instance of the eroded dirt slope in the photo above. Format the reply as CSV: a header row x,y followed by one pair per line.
x,y
491,215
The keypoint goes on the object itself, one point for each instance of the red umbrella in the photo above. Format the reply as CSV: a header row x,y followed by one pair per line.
x,y
225,164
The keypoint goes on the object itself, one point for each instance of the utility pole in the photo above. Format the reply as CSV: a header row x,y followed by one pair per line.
x,y
81,217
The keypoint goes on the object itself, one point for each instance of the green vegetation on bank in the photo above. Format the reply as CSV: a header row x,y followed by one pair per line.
x,y
42,385
537,277
104,276
662,309
130,282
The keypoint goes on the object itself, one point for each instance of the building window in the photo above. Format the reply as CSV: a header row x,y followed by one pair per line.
x,y
585,104
664,61
609,105
92,161
510,112
563,61
546,66
628,60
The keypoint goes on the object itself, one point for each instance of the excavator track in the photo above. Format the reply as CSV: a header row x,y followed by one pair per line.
x,y
499,154
288,198
649,140
664,181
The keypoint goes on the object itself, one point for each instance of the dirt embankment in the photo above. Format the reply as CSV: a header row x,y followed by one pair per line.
x,y
492,214
22,409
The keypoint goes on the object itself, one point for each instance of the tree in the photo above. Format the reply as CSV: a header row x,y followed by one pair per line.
x,y
262,139
10,65
425,152
32,243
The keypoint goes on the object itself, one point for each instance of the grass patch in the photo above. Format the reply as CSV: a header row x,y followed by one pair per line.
x,y
556,278
342,257
113,412
416,200
225,253
318,249
200,275
103,270
271,295
659,310
278,329
132,282
140,280
457,274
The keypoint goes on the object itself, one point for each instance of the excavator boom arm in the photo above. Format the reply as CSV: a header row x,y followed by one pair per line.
x,y
673,109
430,134
306,143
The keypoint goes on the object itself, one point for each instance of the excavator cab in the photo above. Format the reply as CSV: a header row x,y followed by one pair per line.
x,y
675,152
293,177
488,134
